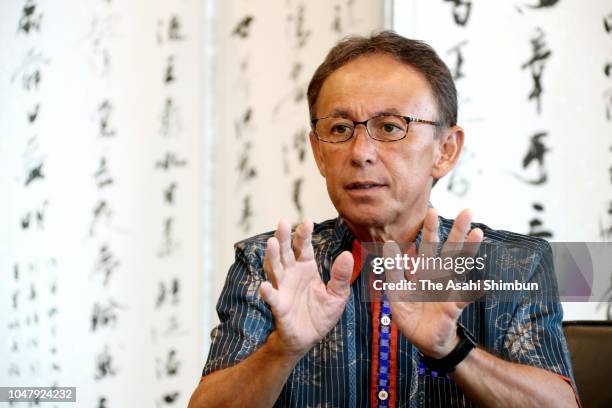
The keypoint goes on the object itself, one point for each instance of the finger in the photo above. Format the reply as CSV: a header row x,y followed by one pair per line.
x,y
340,282
269,295
462,305
411,252
302,241
455,248
283,234
272,263
472,242
430,237
471,245
471,248
396,273
457,235
461,227
392,251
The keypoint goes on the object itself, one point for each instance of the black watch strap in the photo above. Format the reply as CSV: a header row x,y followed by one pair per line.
x,y
447,364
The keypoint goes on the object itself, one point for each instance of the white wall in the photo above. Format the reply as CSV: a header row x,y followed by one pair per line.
x,y
93,54
496,40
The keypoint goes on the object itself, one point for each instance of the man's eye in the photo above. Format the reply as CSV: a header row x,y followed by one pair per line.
x,y
390,128
340,129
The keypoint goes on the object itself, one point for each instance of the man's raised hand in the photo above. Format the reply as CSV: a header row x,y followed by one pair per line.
x,y
431,326
304,308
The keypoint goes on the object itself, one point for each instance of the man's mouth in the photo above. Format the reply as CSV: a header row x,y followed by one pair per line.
x,y
363,185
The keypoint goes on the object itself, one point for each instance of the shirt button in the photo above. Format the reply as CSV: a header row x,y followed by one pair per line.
x,y
383,395
385,320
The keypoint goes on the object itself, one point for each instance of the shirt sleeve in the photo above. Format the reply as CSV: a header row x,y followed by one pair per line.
x,y
534,335
245,319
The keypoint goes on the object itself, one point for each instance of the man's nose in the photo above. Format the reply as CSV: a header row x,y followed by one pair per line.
x,y
363,147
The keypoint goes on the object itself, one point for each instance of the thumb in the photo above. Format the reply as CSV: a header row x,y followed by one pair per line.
x,y
342,269
462,305
269,295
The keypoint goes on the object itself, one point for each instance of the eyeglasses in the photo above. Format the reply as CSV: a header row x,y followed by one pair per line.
x,y
384,128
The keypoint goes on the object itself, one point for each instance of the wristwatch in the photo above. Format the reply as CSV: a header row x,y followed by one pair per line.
x,y
447,364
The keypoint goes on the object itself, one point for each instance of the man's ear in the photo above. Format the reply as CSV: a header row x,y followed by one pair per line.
x,y
316,151
450,143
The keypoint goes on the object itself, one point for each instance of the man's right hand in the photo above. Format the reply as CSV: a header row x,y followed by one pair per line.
x,y
304,308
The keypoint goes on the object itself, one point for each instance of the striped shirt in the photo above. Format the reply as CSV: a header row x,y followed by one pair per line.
x,y
338,372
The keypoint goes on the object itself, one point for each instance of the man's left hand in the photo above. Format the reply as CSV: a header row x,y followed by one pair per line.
x,y
432,326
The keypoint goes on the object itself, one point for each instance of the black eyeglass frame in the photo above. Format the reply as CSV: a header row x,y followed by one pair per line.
x,y
408,119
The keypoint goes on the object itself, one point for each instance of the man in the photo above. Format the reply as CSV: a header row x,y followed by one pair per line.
x,y
295,329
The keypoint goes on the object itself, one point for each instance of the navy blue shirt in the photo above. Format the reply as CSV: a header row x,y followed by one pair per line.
x,y
337,371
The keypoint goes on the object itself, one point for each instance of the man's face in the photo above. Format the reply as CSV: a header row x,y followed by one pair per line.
x,y
372,183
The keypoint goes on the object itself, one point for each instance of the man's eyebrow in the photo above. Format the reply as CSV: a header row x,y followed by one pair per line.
x,y
344,113
390,111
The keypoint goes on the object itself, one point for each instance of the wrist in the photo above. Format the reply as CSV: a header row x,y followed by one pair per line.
x,y
443,351
452,345
279,349
446,362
